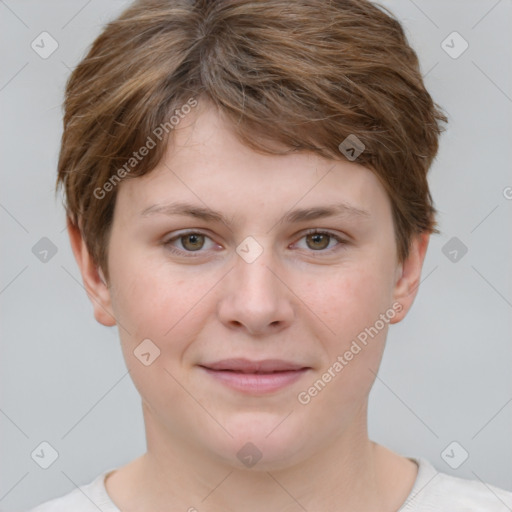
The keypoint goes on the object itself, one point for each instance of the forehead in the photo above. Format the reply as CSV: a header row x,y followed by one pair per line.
x,y
206,164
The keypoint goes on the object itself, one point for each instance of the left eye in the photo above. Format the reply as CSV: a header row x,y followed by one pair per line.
x,y
320,240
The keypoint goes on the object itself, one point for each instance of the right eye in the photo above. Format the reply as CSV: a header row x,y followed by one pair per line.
x,y
190,242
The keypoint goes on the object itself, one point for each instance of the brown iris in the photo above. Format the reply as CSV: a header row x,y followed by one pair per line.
x,y
319,240
193,241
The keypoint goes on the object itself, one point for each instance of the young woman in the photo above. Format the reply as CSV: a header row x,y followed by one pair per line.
x,y
247,200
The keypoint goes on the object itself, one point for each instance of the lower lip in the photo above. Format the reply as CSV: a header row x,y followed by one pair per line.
x,y
256,382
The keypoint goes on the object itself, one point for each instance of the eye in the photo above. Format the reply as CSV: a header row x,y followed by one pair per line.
x,y
319,241
189,242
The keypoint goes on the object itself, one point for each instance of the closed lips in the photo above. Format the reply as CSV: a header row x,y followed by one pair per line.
x,y
257,367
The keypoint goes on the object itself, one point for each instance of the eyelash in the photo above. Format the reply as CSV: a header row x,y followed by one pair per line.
x,y
195,254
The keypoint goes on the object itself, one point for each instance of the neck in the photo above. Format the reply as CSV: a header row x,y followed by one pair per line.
x,y
349,472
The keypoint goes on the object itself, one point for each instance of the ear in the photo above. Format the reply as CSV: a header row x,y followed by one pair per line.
x,y
93,279
408,276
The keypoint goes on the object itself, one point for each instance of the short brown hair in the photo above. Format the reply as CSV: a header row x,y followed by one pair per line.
x,y
305,73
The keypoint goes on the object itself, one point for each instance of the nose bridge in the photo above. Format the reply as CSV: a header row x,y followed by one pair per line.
x,y
255,279
254,258
253,296
254,282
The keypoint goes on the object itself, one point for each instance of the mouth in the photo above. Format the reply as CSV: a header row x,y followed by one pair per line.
x,y
255,377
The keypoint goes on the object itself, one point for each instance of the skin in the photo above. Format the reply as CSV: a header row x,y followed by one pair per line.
x,y
304,299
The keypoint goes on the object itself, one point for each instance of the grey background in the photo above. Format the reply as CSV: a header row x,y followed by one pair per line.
x,y
446,373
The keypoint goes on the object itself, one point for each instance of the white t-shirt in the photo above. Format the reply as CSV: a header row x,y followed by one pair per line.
x,y
432,492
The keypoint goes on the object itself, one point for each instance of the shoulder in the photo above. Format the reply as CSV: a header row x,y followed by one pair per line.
x,y
91,497
435,491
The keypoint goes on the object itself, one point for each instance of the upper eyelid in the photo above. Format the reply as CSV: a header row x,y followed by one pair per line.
x,y
322,231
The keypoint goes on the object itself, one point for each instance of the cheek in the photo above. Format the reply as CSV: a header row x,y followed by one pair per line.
x,y
349,303
152,301
348,299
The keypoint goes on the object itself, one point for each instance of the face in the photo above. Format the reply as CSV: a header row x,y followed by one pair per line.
x,y
263,287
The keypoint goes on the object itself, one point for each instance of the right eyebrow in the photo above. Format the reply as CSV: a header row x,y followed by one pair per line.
x,y
187,209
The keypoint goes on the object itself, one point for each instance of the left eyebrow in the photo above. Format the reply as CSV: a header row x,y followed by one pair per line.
x,y
332,210
291,217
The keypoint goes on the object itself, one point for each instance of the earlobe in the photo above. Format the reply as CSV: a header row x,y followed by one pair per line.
x,y
409,275
92,276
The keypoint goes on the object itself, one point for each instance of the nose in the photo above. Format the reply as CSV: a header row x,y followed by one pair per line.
x,y
255,297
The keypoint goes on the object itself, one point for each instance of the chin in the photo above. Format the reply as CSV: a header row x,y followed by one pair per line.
x,y
263,442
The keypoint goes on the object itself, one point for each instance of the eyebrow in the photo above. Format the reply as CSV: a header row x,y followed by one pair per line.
x,y
293,216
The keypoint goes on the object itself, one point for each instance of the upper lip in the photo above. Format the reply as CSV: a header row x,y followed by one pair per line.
x,y
248,366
